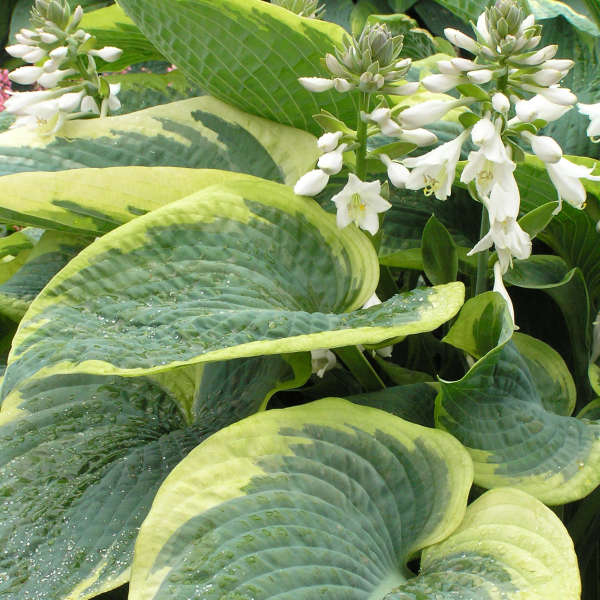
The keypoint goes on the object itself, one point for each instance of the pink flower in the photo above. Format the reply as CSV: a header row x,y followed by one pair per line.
x,y
5,88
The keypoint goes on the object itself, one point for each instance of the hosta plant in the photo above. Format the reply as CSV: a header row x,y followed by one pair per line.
x,y
299,300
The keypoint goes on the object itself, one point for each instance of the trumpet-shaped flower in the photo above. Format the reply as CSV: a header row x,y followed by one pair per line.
x,y
434,172
509,240
322,360
359,203
593,112
566,176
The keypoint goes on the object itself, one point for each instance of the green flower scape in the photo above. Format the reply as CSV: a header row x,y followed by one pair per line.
x,y
299,300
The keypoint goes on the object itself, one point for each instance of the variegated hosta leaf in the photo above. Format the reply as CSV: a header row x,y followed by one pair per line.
x,y
248,53
196,133
81,459
95,201
484,323
509,546
240,269
496,411
327,499
112,27
53,251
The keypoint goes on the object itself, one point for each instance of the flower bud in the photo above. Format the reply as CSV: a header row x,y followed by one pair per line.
x,y
547,77
420,137
332,162
424,113
383,118
538,57
50,80
18,50
89,105
26,75
311,183
316,84
481,76
500,103
108,53
329,141
563,65
35,55
48,38
544,147
59,54
458,38
334,65
397,173
342,85
442,82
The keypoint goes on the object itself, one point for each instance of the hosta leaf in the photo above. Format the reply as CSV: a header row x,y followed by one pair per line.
x,y
482,324
240,269
496,411
197,133
549,9
112,27
568,289
414,402
95,201
549,372
273,48
50,254
508,546
81,459
328,498
571,234
144,90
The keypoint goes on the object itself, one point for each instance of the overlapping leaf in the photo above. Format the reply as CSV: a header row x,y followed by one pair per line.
x,y
240,269
196,133
273,47
328,498
82,457
508,546
496,411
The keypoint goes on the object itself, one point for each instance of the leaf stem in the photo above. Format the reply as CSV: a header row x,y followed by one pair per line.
x,y
361,368
482,257
361,137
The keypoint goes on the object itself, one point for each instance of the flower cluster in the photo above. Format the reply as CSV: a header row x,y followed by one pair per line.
x,y
61,59
371,64
517,88
5,88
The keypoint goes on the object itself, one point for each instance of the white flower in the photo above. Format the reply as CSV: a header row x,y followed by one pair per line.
x,y
500,103
458,38
316,84
36,54
481,76
19,101
539,107
442,82
546,77
383,118
48,38
426,112
542,55
420,137
18,50
499,287
311,183
593,112
50,80
508,238
359,203
544,147
111,103
397,173
562,64
89,105
322,360
329,141
435,170
320,84
59,54
26,75
565,176
557,95
332,162
108,53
